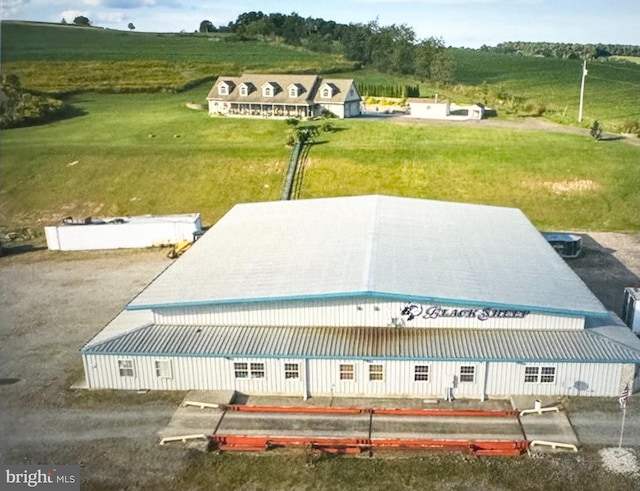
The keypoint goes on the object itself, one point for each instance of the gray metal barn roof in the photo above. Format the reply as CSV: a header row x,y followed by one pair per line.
x,y
375,343
412,249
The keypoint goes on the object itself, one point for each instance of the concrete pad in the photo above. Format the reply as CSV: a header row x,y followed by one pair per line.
x,y
550,426
194,420
191,420
520,403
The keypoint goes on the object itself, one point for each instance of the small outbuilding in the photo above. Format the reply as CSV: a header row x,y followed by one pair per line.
x,y
368,296
428,108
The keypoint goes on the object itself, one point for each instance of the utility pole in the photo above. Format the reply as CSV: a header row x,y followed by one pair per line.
x,y
584,76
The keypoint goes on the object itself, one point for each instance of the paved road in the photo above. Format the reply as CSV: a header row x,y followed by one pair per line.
x,y
28,427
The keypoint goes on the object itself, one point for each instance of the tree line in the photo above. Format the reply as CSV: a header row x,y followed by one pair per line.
x,y
389,49
564,50
396,91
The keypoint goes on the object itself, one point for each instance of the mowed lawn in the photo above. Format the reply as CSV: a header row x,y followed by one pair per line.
x,y
148,153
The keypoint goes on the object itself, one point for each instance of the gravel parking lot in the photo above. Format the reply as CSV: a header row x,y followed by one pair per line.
x,y
52,303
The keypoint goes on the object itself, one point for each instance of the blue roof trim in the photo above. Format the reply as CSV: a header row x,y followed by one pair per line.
x,y
370,293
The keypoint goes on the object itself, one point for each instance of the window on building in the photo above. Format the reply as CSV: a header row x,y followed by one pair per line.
x,y
291,370
548,375
326,93
241,370
293,91
467,373
244,91
223,89
267,91
375,372
347,372
533,375
126,369
421,373
164,369
257,370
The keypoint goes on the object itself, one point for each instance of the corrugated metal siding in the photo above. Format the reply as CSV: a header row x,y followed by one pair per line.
x,y
379,343
571,379
351,311
323,378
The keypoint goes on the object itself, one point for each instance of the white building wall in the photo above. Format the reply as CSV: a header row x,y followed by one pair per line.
x,y
349,312
337,109
321,377
571,379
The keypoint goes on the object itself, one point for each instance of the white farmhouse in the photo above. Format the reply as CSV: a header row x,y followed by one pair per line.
x,y
283,96
368,296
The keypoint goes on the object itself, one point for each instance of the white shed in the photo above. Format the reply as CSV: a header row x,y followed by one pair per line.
x,y
367,296
428,108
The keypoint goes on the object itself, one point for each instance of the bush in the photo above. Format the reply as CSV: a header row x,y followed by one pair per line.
x,y
631,127
19,107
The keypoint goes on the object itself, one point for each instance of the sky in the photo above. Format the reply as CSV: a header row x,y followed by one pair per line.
x,y
468,23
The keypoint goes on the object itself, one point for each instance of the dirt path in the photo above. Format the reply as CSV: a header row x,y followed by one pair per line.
x,y
531,124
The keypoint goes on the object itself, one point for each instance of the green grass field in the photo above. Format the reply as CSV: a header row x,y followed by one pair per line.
x,y
132,154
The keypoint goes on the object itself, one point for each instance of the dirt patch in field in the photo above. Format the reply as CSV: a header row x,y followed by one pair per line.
x,y
571,187
575,186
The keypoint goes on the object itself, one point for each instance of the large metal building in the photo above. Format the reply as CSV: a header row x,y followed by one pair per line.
x,y
368,295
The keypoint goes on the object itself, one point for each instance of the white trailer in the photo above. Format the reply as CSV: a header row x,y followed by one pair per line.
x,y
122,232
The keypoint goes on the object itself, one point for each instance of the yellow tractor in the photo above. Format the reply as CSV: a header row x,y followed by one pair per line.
x,y
178,249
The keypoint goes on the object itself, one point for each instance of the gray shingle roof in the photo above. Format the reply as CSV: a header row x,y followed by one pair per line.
x,y
307,85
413,249
376,343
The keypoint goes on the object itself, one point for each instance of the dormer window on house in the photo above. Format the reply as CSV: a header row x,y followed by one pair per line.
x,y
268,90
245,88
326,92
223,89
293,91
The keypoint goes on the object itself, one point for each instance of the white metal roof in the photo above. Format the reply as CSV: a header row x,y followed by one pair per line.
x,y
585,345
407,248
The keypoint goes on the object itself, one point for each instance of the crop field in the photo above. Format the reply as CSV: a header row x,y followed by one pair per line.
x,y
58,59
611,88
